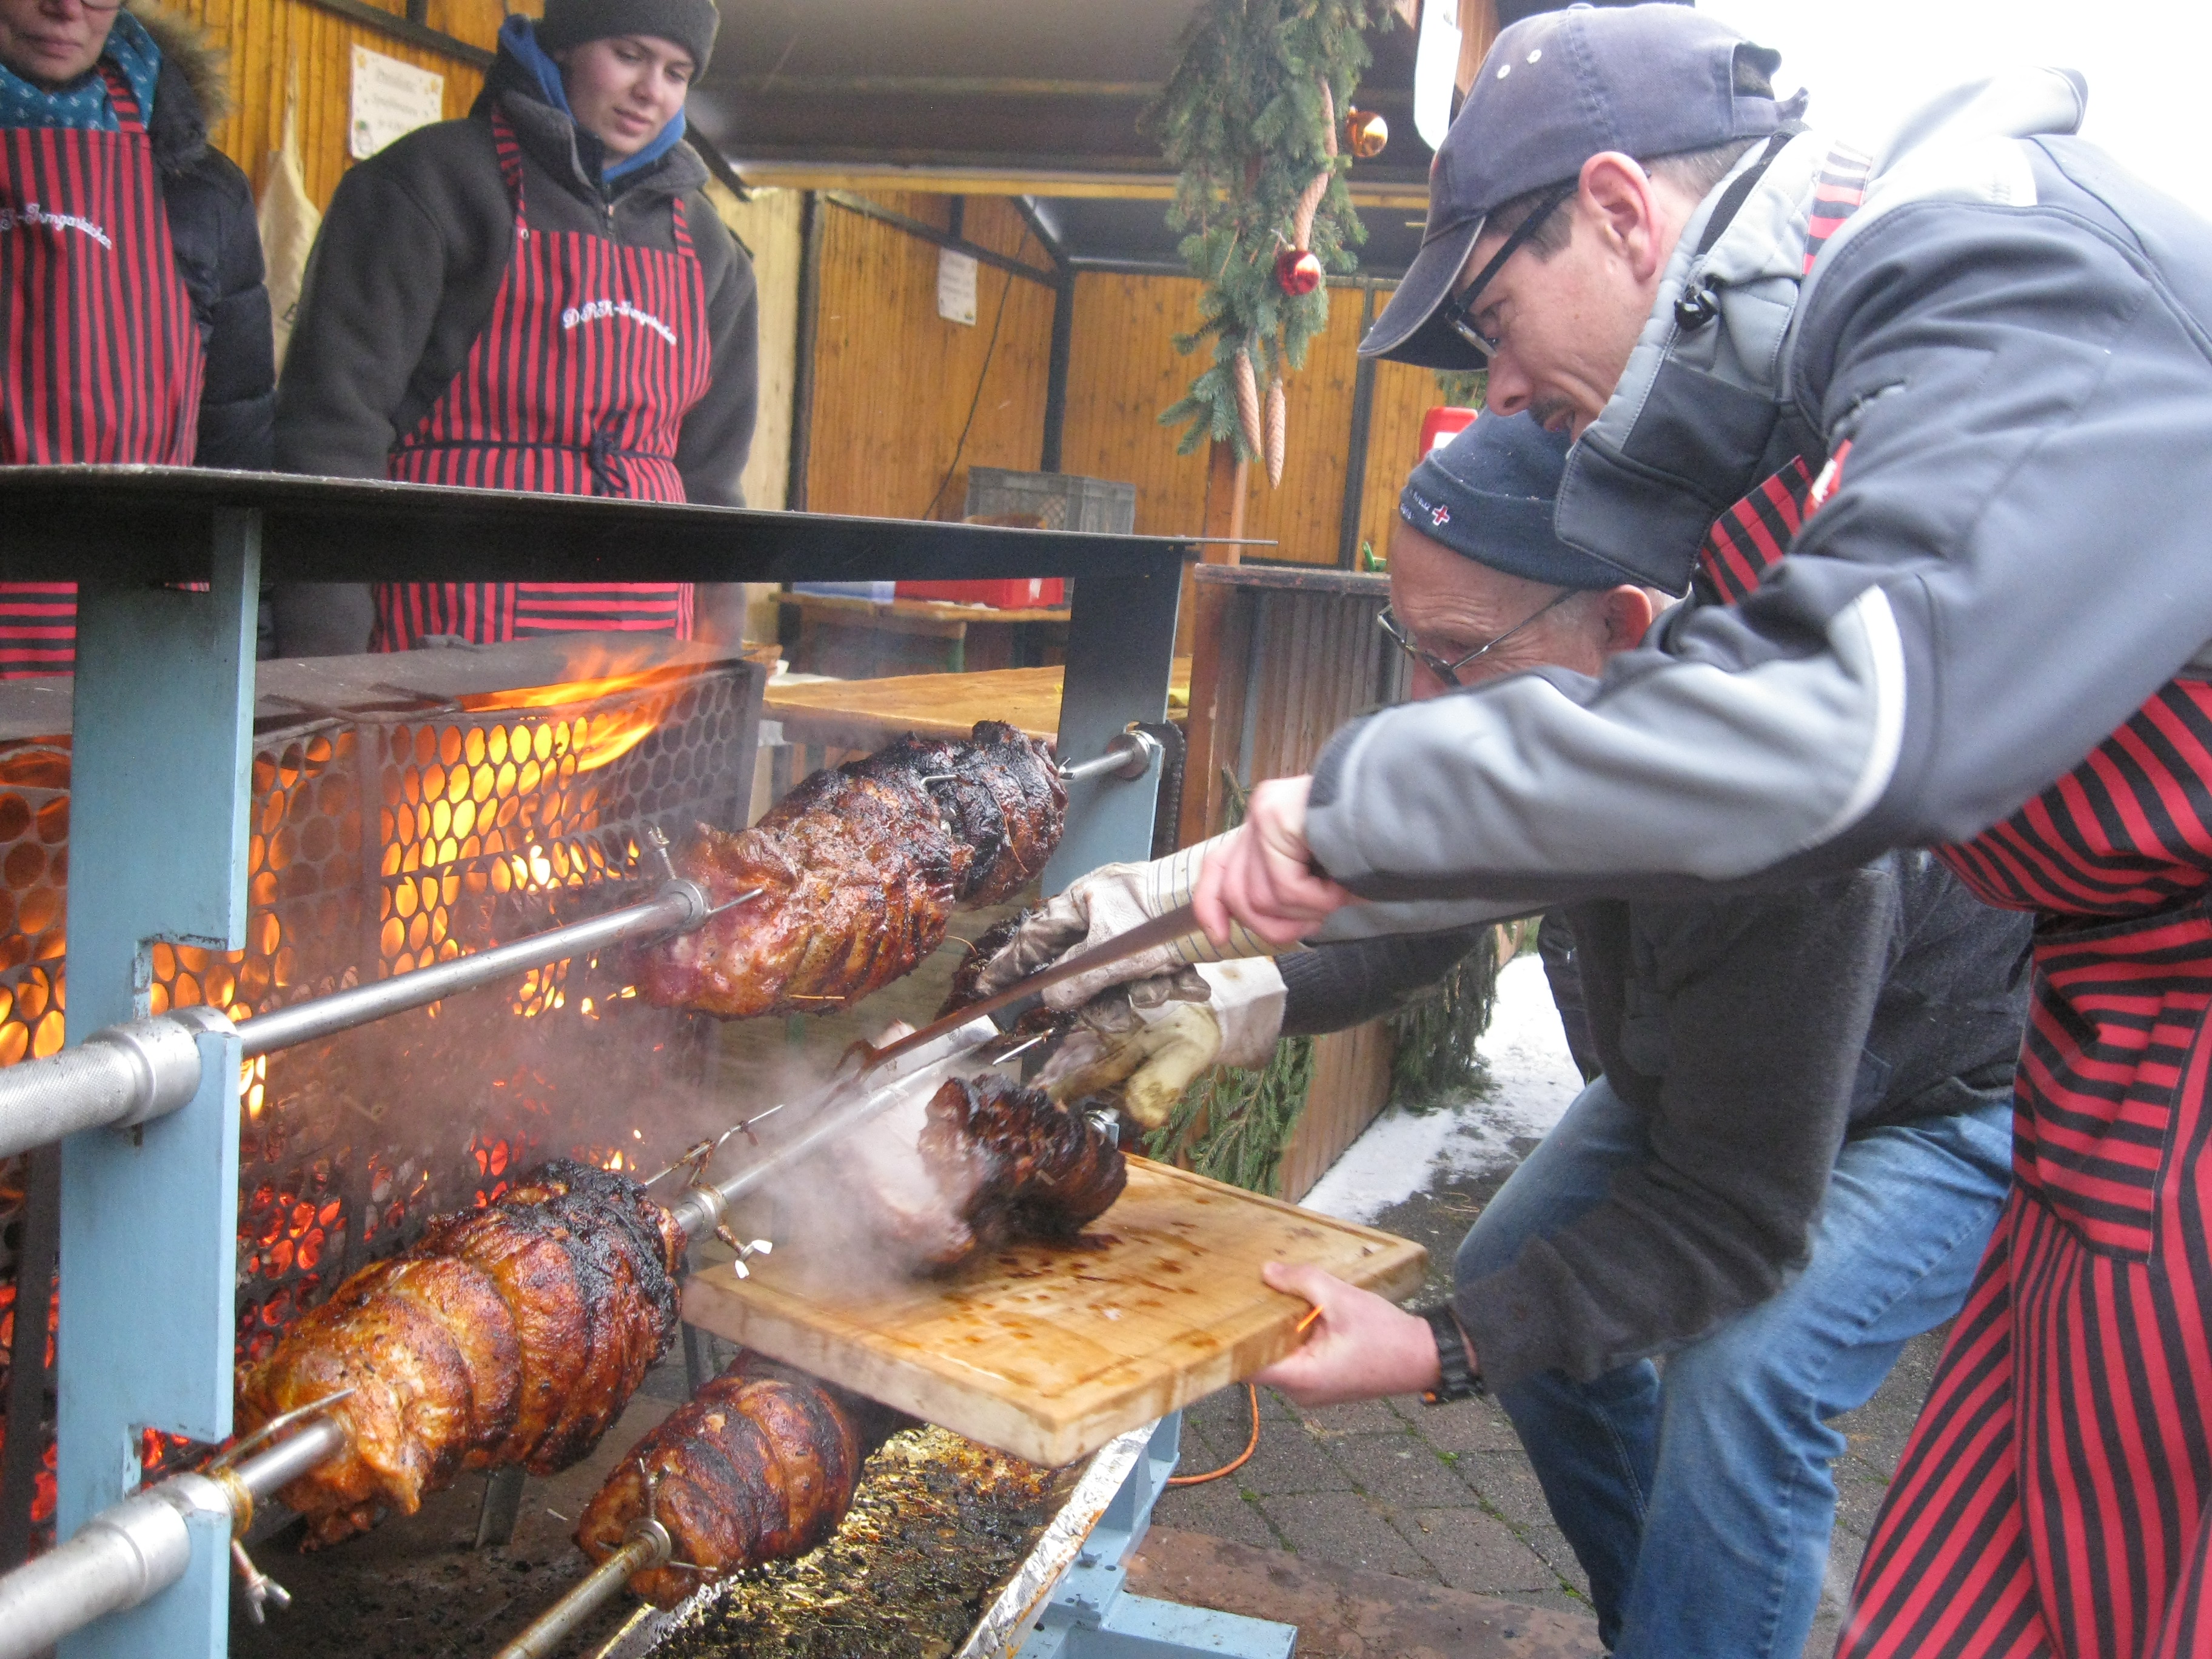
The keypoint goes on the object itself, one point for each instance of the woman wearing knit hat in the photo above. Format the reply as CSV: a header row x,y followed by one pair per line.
x,y
538,297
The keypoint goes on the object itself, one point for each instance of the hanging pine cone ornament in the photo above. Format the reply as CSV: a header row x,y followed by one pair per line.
x,y
1248,402
1298,272
1366,134
1278,426
1302,218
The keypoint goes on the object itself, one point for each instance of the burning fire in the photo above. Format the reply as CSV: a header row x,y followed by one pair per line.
x,y
595,740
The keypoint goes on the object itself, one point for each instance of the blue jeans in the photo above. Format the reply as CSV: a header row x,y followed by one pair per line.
x,y
1700,1504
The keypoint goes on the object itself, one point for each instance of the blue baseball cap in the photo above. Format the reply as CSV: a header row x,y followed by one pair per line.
x,y
1488,496
1556,89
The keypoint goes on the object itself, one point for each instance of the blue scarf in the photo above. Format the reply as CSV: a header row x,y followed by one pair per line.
x,y
519,41
85,105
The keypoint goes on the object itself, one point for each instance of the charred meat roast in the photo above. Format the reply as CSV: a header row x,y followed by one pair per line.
x,y
760,1466
514,1334
860,868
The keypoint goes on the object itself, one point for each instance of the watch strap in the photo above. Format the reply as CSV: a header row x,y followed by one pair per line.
x,y
1457,1380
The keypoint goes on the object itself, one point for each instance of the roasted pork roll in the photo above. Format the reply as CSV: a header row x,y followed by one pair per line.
x,y
1012,1164
859,868
760,1466
510,1335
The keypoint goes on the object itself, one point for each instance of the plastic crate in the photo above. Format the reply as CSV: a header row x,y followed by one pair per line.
x,y
1005,594
1058,500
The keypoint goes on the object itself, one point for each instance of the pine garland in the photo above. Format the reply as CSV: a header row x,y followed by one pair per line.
x,y
1249,120
1241,1117
1435,1062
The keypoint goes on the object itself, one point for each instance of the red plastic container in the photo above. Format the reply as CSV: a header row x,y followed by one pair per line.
x,y
1008,593
1441,426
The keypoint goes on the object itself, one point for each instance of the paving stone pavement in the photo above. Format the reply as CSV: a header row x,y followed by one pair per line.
x,y
1444,1494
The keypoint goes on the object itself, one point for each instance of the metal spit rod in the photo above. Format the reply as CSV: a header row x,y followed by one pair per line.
x,y
130,1552
648,1547
1129,757
680,907
131,1074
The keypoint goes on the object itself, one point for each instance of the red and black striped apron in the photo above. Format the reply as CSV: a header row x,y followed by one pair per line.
x,y
104,361
2055,1495
577,385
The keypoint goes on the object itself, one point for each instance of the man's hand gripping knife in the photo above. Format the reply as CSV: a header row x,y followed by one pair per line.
x,y
1152,1022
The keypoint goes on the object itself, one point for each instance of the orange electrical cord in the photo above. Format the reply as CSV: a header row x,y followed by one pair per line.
x,y
1241,1459
1252,1395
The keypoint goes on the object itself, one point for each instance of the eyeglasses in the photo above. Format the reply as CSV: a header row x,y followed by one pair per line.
x,y
1458,313
1448,673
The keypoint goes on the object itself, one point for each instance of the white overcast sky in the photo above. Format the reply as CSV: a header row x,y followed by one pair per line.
x,y
1868,61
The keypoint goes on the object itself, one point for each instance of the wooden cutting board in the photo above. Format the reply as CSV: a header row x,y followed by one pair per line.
x,y
1049,1350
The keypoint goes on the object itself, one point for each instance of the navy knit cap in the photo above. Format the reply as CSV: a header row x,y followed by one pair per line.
x,y
690,23
1488,496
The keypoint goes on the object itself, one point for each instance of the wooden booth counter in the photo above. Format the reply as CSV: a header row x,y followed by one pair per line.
x,y
828,722
856,638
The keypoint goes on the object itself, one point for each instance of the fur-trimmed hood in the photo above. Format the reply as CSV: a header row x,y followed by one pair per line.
x,y
185,44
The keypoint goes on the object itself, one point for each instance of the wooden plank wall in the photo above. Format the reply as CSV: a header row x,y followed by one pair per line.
x,y
1403,394
893,381
768,227
1123,371
265,39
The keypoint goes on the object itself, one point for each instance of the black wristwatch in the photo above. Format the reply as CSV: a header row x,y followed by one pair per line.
x,y
1458,1380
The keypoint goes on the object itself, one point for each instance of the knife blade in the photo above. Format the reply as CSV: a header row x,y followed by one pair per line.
x,y
1180,923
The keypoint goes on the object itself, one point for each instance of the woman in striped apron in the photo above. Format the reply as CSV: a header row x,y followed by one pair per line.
x,y
537,298
130,281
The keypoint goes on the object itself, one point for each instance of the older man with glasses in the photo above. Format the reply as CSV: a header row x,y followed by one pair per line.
x,y
131,273
1790,1166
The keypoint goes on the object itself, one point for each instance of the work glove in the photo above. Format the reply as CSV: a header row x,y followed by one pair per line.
x,y
1150,1039
1102,905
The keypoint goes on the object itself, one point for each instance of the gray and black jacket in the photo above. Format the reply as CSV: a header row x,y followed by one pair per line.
x,y
2014,338
1757,1033
401,283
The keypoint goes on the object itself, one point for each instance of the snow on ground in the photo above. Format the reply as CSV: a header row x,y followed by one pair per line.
x,y
1532,1081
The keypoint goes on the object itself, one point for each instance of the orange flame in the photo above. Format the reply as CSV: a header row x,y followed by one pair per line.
x,y
616,732
597,673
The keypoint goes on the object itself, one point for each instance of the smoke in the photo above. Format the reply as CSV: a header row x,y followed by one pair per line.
x,y
865,1214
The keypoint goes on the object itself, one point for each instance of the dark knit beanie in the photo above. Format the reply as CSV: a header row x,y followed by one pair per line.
x,y
1488,496
690,23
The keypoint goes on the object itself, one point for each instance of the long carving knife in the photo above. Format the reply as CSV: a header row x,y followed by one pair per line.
x,y
1176,925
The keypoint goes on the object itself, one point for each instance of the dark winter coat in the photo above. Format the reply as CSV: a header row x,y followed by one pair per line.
x,y
401,283
1757,1034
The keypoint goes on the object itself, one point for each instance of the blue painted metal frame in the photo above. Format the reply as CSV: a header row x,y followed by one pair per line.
x,y
159,776
1120,650
1093,1616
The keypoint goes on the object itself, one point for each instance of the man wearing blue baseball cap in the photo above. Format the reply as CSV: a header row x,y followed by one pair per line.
x,y
1932,424
1789,1168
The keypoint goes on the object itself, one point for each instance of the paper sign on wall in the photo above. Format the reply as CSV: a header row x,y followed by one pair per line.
x,y
390,100
956,287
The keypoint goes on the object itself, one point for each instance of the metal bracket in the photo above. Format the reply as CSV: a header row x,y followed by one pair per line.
x,y
1092,1615
502,1507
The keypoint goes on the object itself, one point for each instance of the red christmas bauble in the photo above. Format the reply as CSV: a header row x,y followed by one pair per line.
x,y
1366,134
1298,272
